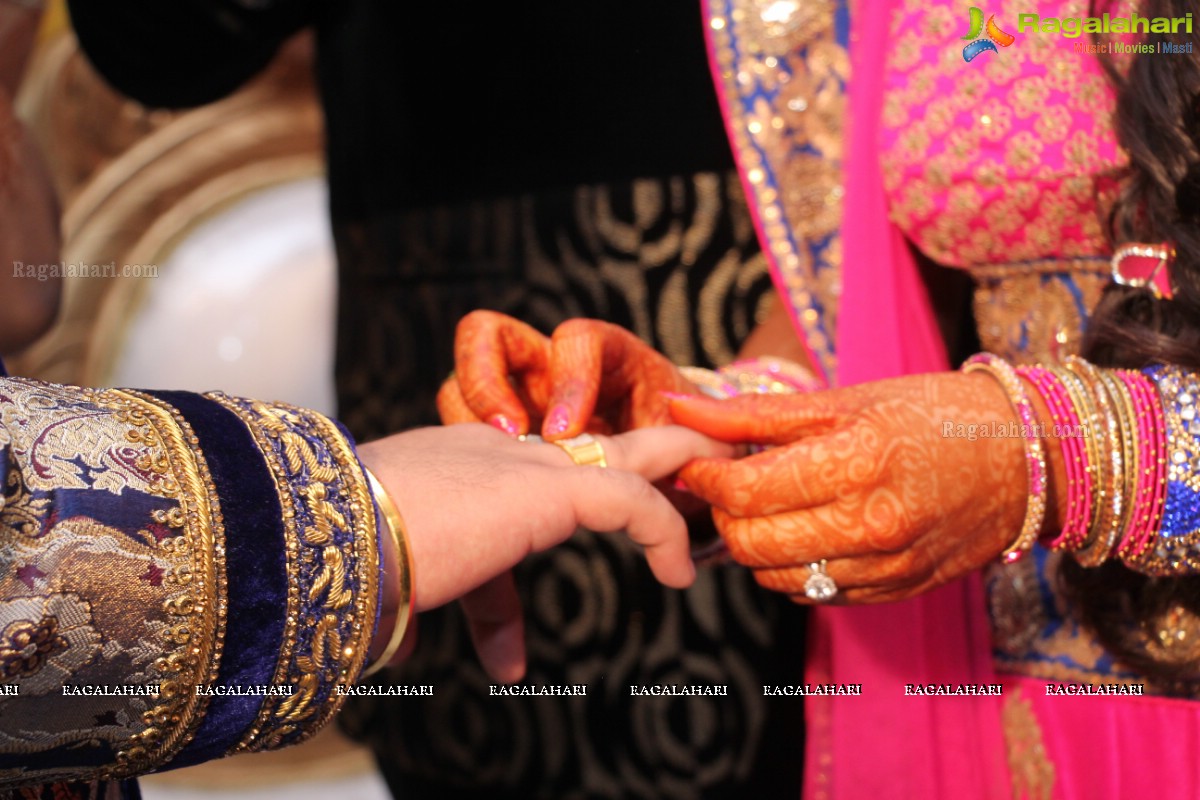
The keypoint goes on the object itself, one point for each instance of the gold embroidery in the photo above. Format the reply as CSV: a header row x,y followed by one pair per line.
x,y
1037,633
25,646
1036,316
996,142
46,641
157,629
335,583
782,74
200,597
1032,771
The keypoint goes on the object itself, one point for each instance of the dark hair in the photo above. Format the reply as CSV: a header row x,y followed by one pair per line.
x,y
1158,125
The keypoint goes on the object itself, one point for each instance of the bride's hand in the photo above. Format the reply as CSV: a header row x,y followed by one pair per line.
x,y
475,502
589,375
873,478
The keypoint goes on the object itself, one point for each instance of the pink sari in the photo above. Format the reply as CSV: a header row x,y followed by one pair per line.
x,y
888,744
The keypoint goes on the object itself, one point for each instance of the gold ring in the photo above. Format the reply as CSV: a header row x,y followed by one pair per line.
x,y
584,450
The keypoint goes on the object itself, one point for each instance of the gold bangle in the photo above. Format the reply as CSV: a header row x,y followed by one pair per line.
x,y
404,566
1035,451
1112,467
1089,415
1127,416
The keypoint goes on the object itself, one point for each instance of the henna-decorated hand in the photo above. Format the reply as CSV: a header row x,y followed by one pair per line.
x,y
868,477
589,375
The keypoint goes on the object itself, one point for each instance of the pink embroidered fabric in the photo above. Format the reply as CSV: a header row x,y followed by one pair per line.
x,y
1006,159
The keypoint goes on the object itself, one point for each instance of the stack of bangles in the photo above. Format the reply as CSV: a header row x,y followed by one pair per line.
x,y
1130,444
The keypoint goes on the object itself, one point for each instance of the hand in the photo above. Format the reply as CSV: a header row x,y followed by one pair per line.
x,y
475,502
869,478
511,376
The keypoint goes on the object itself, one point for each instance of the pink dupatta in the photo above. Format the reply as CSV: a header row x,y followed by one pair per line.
x,y
887,744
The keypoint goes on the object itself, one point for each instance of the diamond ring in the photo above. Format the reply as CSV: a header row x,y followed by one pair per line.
x,y
819,587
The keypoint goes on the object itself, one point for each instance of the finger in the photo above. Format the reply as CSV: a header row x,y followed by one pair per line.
x,y
861,596
761,419
805,474
488,349
576,369
598,368
493,613
615,500
452,406
802,537
655,453
875,575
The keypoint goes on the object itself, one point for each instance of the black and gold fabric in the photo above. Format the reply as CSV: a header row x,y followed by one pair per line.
x,y
171,591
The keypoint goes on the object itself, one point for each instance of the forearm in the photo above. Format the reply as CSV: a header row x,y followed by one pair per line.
x,y
215,558
776,336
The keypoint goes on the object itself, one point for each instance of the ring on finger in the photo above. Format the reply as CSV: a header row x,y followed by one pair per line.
x,y
820,587
584,450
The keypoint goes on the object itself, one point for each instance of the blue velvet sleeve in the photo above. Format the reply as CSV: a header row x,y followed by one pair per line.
x,y
183,577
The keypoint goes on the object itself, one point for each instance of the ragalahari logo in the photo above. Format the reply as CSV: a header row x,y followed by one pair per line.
x,y
995,36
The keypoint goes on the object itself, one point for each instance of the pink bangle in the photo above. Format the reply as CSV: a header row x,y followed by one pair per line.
x,y
1140,485
1035,453
1067,430
1151,478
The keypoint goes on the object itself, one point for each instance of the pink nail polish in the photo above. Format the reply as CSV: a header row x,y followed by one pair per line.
x,y
503,423
556,421
680,486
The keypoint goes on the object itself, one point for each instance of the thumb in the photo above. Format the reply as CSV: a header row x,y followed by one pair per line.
x,y
493,613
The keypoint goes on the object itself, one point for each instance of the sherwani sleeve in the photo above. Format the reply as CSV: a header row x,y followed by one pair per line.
x,y
183,577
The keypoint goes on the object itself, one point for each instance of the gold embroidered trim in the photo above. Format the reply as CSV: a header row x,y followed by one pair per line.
x,y
342,625
1034,316
1032,771
365,545
1073,266
780,78
202,597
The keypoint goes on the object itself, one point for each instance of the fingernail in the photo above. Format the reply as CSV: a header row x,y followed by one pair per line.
x,y
680,486
503,423
556,421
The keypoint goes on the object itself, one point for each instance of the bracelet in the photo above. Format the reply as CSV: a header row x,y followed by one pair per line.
x,y
770,376
1068,432
404,566
1174,544
1158,438
1089,416
1110,491
1127,418
1035,453
752,376
1141,522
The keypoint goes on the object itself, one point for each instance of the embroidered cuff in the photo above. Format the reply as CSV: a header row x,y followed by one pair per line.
x,y
182,577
